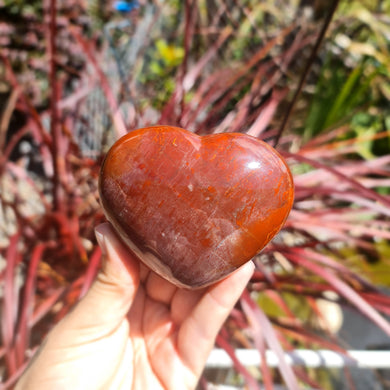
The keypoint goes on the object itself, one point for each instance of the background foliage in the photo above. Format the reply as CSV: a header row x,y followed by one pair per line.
x,y
75,76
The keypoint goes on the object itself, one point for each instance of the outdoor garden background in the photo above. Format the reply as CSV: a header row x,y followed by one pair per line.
x,y
311,78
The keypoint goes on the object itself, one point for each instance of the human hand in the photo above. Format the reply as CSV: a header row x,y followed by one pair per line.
x,y
133,329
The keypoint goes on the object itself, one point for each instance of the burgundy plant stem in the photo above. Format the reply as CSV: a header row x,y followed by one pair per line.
x,y
249,379
211,89
217,96
203,383
310,61
262,120
322,138
189,22
277,298
342,145
11,381
11,144
265,370
348,376
9,304
196,70
377,298
300,371
260,343
119,123
244,106
22,175
331,264
266,114
92,270
257,316
299,333
354,183
177,98
46,305
6,115
343,289
252,20
27,305
41,135
384,309
58,201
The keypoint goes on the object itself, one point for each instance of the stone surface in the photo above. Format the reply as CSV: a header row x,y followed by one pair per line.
x,y
193,208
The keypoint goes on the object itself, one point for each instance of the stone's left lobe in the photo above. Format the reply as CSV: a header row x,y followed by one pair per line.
x,y
193,208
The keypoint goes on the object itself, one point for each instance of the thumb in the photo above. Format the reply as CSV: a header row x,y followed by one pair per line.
x,y
71,356
109,299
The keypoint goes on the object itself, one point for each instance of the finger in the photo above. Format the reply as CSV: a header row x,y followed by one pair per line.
x,y
208,317
107,302
183,303
144,272
159,289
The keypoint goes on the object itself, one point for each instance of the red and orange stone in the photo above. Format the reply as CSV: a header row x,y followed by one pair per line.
x,y
194,208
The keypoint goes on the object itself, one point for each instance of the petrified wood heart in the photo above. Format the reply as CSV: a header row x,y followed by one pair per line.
x,y
194,208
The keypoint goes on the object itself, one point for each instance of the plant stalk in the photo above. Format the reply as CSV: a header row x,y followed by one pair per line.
x,y
306,70
55,130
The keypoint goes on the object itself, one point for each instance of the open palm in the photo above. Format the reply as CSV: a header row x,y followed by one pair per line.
x,y
133,329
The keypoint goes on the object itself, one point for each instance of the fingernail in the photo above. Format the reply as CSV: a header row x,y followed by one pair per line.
x,y
252,265
101,241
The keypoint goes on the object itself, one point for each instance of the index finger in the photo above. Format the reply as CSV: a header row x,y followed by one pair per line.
x,y
202,326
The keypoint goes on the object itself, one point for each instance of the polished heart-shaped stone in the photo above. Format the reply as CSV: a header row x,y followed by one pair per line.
x,y
194,208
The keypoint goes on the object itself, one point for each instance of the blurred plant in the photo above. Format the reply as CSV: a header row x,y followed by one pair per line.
x,y
354,74
222,66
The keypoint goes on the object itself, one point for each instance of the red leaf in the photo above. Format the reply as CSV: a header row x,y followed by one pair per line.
x,y
251,382
23,331
260,322
90,274
10,304
343,289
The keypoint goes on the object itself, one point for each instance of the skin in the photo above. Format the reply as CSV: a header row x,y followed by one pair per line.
x,y
133,329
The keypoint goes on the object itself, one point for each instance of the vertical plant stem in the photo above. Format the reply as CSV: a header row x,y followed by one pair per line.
x,y
54,125
189,17
9,305
93,267
177,98
310,61
250,380
24,326
7,114
260,322
117,118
